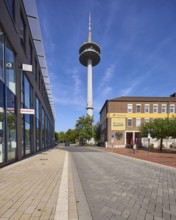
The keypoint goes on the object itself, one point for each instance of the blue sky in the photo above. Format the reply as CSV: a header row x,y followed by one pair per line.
x,y
138,51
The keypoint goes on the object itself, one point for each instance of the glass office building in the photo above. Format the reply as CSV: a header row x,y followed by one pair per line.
x,y
26,105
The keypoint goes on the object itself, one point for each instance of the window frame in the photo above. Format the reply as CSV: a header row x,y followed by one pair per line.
x,y
138,105
129,119
138,120
172,105
155,105
147,106
165,107
130,105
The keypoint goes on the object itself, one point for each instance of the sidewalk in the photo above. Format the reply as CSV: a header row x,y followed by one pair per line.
x,y
29,189
167,157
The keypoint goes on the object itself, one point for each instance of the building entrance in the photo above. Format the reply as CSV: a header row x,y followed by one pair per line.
x,y
129,138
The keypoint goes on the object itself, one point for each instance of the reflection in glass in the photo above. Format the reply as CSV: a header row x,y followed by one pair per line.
x,y
11,135
22,31
37,118
43,129
27,119
10,68
2,131
1,53
11,7
26,93
27,138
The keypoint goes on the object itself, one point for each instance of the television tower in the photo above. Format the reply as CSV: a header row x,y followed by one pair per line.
x,y
89,56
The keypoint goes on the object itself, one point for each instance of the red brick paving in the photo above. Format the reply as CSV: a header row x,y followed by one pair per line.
x,y
167,157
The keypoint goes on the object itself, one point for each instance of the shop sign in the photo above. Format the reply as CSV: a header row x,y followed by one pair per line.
x,y
27,111
117,124
27,67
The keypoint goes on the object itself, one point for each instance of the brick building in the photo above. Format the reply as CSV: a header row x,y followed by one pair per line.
x,y
121,117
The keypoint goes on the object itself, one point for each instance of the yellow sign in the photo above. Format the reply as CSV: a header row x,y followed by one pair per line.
x,y
139,115
118,124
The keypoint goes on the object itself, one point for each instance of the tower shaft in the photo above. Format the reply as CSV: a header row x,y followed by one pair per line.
x,y
89,56
89,88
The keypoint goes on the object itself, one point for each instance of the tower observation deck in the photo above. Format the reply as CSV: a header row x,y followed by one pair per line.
x,y
89,56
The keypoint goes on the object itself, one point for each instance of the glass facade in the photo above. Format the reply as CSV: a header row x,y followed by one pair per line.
x,y
1,54
27,119
37,123
43,129
22,31
10,68
11,124
18,136
8,126
2,128
11,4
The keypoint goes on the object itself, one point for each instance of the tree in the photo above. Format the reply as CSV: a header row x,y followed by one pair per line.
x,y
96,129
60,136
161,129
71,135
56,136
84,127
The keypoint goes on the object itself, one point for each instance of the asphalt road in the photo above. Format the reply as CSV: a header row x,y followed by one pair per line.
x,y
117,187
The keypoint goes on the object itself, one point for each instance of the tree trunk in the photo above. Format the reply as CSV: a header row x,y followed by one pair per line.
x,y
161,144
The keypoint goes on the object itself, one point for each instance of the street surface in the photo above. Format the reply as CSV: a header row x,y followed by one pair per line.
x,y
86,183
118,187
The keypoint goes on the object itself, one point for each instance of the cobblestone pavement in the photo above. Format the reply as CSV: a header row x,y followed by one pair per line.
x,y
119,187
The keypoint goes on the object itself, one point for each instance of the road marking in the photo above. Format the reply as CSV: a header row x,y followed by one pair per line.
x,y
62,202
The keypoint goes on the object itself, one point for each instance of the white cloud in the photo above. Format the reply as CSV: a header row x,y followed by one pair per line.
x,y
71,94
130,87
106,78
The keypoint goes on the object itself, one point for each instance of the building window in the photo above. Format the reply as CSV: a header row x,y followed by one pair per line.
x,y
146,120
138,122
39,78
146,108
35,70
37,115
155,108
130,108
7,91
2,124
10,68
1,54
43,129
172,108
11,7
138,108
163,108
30,53
27,119
11,124
22,31
129,122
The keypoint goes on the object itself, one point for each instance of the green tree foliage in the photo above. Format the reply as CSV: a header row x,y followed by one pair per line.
x,y
96,129
71,135
84,127
60,136
161,129
56,136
